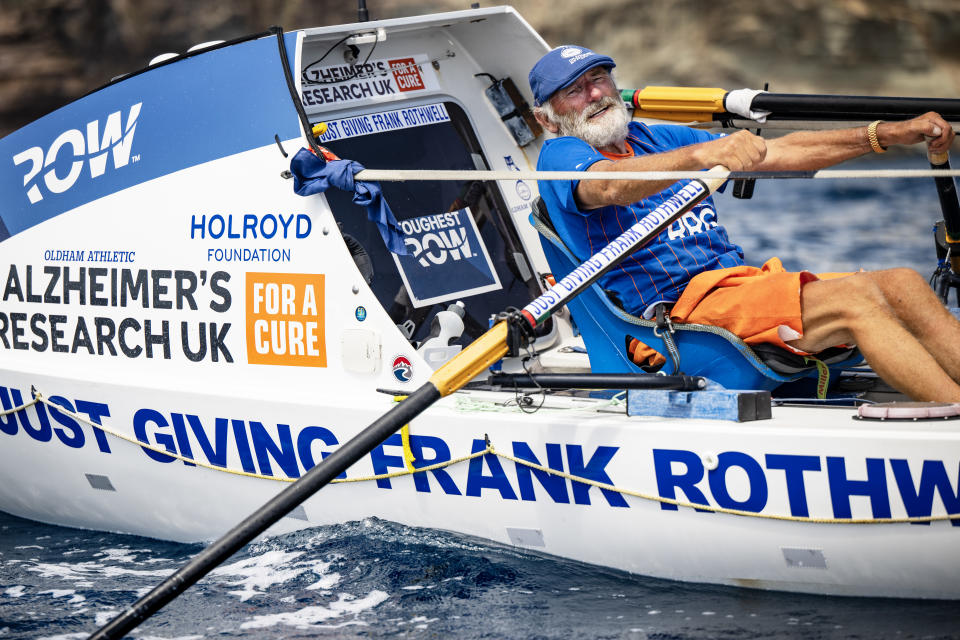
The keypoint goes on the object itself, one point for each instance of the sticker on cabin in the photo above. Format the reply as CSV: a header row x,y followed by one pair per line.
x,y
373,80
285,319
402,369
447,258
370,123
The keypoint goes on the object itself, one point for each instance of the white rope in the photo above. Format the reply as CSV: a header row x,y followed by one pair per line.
x,y
395,175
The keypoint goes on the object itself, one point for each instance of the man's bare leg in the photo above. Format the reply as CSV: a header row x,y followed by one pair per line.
x,y
920,311
855,309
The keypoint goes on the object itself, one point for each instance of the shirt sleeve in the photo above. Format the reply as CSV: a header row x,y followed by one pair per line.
x,y
679,136
565,154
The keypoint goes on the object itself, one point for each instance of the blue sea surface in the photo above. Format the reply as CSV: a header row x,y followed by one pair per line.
x,y
840,224
377,579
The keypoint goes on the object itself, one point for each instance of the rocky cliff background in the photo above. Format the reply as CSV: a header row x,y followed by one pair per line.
x,y
52,51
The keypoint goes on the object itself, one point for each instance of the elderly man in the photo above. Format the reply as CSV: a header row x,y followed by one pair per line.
x,y
902,329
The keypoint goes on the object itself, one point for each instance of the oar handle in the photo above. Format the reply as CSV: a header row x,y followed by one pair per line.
x,y
949,206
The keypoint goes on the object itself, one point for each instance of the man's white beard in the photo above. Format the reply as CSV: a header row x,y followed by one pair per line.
x,y
608,129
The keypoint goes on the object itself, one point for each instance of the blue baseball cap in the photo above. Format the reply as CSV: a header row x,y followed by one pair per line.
x,y
560,68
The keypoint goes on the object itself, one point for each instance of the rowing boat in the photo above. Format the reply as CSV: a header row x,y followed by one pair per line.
x,y
183,335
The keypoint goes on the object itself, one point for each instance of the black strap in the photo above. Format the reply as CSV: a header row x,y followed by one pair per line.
x,y
664,331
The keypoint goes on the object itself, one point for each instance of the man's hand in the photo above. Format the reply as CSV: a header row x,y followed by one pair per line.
x,y
930,127
739,151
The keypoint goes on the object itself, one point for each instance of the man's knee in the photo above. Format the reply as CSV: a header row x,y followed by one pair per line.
x,y
899,279
850,299
862,290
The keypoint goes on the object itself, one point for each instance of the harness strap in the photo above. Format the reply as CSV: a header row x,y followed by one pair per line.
x,y
664,331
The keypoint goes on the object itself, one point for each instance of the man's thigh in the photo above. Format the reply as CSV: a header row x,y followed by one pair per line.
x,y
760,305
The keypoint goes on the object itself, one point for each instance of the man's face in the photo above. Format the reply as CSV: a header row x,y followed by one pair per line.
x,y
591,109
584,93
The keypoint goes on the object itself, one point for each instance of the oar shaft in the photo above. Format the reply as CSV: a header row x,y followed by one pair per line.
x,y
598,381
281,504
707,103
949,206
789,106
478,356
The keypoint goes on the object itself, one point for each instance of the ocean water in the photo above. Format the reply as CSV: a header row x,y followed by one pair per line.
x,y
376,579
839,225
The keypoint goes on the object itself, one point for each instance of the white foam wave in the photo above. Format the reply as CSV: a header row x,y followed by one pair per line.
x,y
84,571
76,598
327,581
258,573
310,616
105,616
121,554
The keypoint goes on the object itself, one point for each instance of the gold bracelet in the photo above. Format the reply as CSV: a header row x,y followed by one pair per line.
x,y
872,137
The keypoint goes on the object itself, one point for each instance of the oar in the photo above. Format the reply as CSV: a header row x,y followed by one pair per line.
x,y
705,104
947,192
482,353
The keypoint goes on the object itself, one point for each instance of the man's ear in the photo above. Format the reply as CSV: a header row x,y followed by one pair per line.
x,y
544,122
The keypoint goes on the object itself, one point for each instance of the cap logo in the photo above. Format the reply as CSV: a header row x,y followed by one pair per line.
x,y
569,52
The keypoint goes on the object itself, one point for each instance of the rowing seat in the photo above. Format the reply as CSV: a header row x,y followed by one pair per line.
x,y
701,350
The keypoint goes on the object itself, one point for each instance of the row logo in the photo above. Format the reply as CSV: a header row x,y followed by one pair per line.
x,y
92,148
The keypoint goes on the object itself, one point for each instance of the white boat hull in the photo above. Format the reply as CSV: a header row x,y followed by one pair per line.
x,y
503,501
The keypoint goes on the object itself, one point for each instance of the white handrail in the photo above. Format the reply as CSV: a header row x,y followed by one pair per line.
x,y
394,175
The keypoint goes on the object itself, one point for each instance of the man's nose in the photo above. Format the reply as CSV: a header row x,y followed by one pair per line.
x,y
595,92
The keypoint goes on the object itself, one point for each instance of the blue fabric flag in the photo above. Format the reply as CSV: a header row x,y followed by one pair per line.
x,y
312,174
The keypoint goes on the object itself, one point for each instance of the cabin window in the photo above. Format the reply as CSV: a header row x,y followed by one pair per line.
x,y
462,242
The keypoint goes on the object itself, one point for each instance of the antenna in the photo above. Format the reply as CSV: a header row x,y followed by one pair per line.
x,y
362,14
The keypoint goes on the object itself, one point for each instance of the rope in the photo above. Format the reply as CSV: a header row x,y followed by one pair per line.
x,y
388,175
25,405
38,397
408,457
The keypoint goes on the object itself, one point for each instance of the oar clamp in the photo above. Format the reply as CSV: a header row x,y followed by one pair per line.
x,y
520,334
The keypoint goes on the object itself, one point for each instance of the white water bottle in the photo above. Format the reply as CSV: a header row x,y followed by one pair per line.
x,y
446,327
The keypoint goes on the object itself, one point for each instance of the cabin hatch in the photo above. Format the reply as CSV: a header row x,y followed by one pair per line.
x,y
462,243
